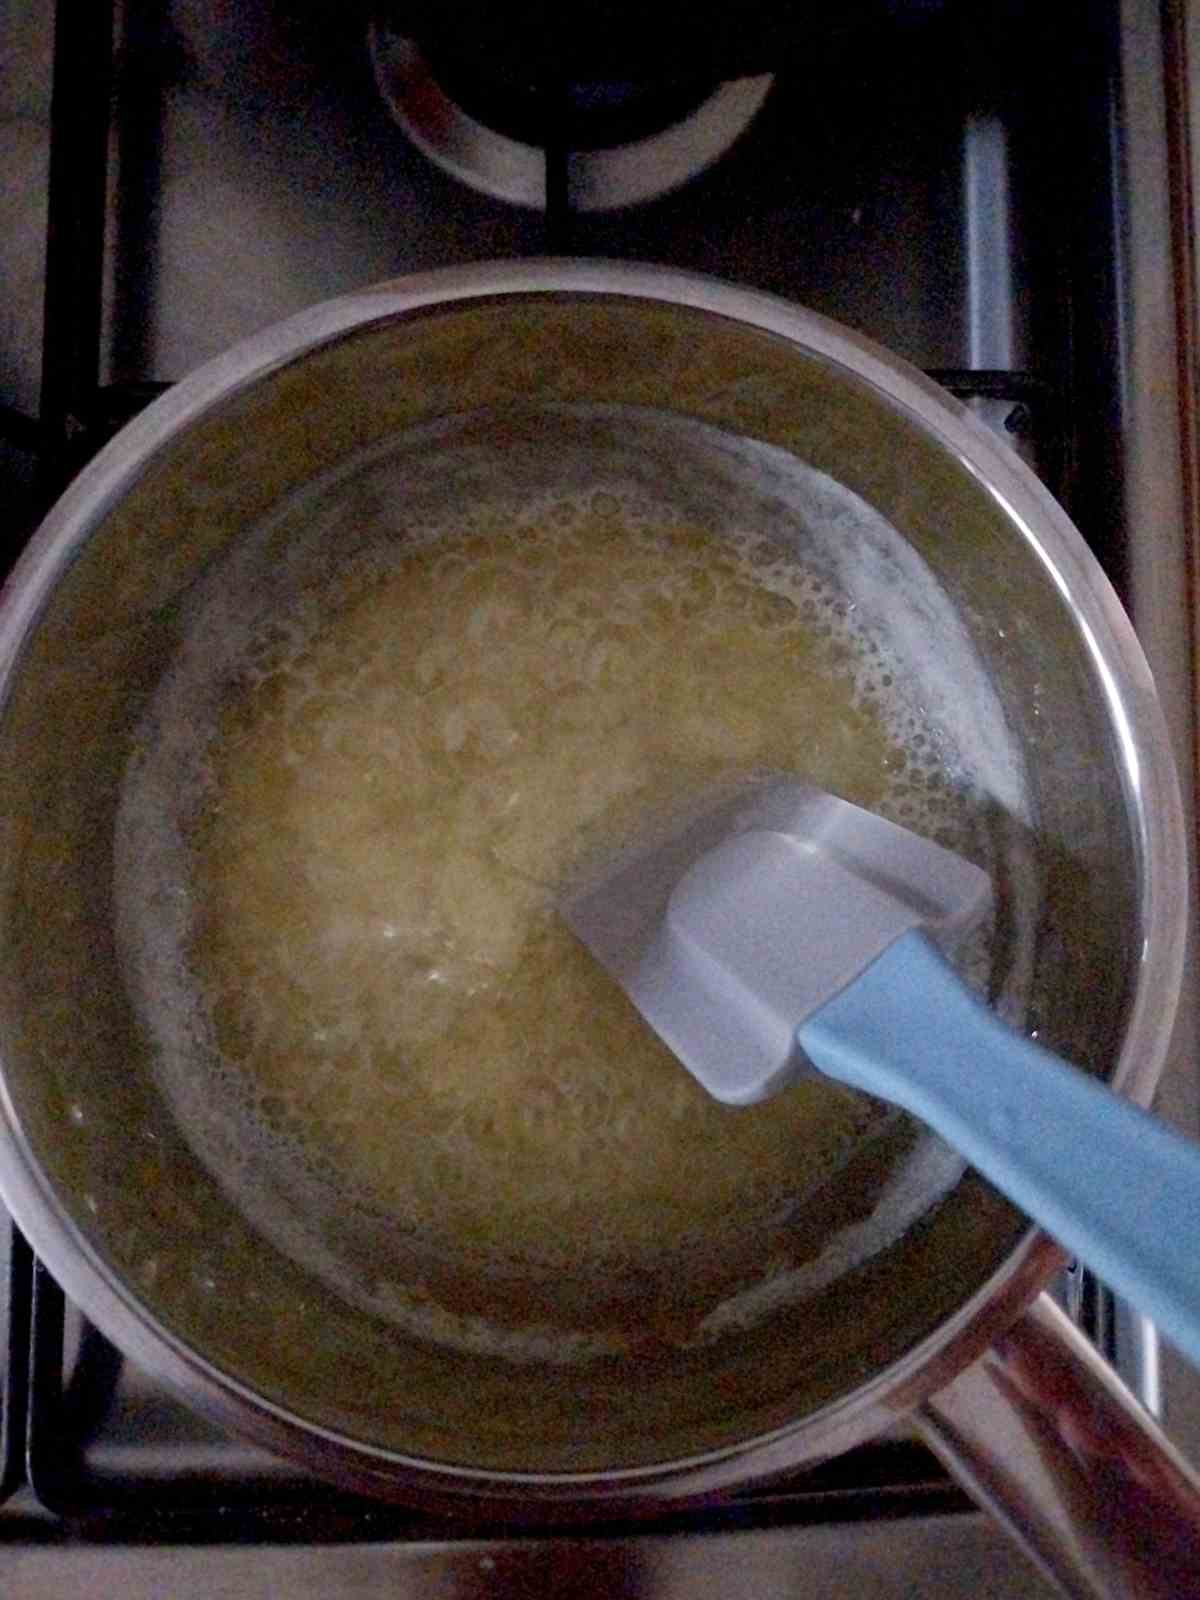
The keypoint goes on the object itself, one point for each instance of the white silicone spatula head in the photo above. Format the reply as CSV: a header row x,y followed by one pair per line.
x,y
732,926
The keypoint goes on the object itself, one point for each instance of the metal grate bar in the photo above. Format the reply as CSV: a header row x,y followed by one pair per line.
x,y
76,220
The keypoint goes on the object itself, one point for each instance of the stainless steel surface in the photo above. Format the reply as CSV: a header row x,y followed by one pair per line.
x,y
996,336
954,1557
1163,593
1140,754
260,171
261,175
1047,1437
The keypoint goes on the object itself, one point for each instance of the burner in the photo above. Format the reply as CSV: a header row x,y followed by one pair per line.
x,y
628,140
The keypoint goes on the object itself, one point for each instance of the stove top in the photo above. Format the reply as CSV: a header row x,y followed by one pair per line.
x,y
955,180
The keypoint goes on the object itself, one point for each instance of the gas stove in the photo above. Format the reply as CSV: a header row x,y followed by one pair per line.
x,y
986,188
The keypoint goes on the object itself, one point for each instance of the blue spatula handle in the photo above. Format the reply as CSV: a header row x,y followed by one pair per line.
x,y
1109,1182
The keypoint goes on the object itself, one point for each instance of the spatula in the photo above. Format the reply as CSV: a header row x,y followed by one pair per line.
x,y
778,931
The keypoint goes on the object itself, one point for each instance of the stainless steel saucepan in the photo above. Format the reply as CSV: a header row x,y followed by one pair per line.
x,y
524,360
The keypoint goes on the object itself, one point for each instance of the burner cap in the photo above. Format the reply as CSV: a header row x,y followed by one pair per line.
x,y
630,139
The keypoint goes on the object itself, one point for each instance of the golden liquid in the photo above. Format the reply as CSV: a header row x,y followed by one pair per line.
x,y
396,801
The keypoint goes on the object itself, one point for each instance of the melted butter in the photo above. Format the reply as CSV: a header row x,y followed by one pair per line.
x,y
397,800
400,710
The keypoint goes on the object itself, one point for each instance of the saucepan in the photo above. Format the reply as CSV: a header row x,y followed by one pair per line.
x,y
607,1312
